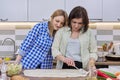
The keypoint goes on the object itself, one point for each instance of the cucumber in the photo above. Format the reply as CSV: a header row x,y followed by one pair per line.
x,y
100,78
109,74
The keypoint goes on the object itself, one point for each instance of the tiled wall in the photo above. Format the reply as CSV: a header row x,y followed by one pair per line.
x,y
16,31
105,33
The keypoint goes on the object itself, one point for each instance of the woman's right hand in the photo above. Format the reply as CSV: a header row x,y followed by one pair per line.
x,y
69,61
18,58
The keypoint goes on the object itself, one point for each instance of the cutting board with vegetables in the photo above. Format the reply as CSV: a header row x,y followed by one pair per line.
x,y
107,74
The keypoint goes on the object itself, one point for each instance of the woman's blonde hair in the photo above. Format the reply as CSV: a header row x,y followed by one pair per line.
x,y
58,12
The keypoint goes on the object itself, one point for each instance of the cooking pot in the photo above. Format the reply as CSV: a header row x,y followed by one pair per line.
x,y
112,57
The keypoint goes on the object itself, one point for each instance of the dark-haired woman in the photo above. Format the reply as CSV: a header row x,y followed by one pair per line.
x,y
75,45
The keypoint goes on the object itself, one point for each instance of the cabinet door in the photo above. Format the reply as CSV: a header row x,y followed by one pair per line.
x,y
111,10
93,7
42,9
13,10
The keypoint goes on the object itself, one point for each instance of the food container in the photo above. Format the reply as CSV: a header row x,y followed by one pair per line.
x,y
13,69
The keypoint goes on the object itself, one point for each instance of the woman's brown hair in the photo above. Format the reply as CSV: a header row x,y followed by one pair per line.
x,y
58,12
79,12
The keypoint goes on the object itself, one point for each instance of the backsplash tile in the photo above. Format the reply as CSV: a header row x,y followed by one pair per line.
x,y
7,32
104,38
116,37
104,32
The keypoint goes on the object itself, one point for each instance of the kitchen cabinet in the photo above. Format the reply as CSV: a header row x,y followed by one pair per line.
x,y
42,9
111,10
93,7
13,10
38,10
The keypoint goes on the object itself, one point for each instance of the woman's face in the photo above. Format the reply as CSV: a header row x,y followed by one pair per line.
x,y
76,24
58,22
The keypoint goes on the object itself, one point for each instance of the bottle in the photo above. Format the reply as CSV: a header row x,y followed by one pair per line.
x,y
3,67
92,72
3,71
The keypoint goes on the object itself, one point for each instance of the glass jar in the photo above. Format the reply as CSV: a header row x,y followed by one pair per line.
x,y
3,71
92,74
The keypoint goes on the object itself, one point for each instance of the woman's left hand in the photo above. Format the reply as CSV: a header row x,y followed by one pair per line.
x,y
92,63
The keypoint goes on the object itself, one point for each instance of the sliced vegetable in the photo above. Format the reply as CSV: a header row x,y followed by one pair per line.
x,y
101,74
117,73
100,78
109,74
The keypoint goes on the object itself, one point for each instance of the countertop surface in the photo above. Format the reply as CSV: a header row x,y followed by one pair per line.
x,y
108,63
103,62
49,78
54,78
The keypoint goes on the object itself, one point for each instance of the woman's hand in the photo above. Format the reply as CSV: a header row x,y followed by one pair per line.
x,y
69,62
18,58
92,63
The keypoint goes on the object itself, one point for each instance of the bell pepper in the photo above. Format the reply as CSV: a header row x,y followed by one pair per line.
x,y
100,78
101,74
109,74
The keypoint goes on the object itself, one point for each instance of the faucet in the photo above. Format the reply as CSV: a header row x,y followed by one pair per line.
x,y
11,40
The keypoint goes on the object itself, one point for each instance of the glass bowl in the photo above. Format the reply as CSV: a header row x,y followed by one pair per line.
x,y
13,69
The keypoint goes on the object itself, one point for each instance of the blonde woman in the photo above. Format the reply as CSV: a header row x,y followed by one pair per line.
x,y
35,50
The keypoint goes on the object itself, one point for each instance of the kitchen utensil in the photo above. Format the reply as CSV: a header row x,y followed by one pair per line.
x,y
81,70
76,67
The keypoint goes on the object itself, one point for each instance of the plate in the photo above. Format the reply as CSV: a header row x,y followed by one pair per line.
x,y
113,57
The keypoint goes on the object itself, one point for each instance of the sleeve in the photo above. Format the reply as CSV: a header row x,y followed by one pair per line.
x,y
56,43
93,46
29,40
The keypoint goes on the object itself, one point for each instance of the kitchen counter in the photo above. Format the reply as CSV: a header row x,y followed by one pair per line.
x,y
54,78
101,63
108,63
50,78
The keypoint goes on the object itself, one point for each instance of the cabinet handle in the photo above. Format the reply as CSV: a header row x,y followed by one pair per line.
x,y
3,20
43,19
118,19
100,20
